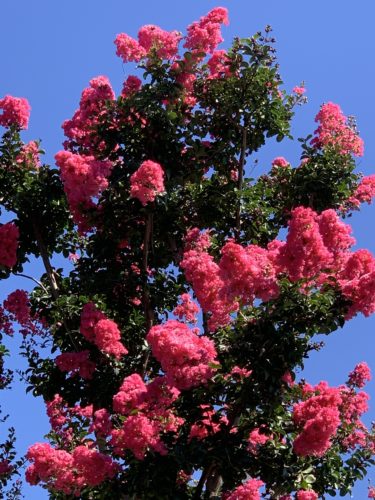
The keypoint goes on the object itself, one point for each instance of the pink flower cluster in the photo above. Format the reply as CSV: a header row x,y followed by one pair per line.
x,y
371,492
280,161
17,304
184,356
204,274
188,309
319,418
101,331
247,272
257,438
29,156
66,472
15,111
148,415
334,131
204,36
76,363
299,90
150,38
247,491
306,495
313,242
80,129
131,85
9,235
360,375
84,178
147,182
219,64
365,191
210,423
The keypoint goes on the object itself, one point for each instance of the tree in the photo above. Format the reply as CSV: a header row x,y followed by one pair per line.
x,y
152,203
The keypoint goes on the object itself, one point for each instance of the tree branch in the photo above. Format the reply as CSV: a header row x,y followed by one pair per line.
x,y
39,283
149,313
241,166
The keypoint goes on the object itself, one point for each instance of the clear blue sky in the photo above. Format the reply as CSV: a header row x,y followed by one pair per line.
x,y
51,49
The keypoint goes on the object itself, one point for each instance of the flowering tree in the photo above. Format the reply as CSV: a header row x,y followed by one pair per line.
x,y
152,204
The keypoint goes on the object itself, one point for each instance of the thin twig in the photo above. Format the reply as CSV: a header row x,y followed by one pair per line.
x,y
39,283
241,166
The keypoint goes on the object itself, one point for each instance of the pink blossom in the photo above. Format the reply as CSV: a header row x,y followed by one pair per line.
x,y
165,43
304,255
365,191
131,85
9,235
29,155
299,90
205,35
129,49
84,178
257,438
80,129
247,272
16,111
17,303
360,375
76,363
184,357
371,492
100,330
307,495
280,161
219,64
247,491
147,182
334,131
188,309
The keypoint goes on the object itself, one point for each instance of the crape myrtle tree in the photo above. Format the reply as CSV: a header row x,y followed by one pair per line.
x,y
152,203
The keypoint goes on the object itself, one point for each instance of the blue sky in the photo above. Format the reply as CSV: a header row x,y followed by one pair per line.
x,y
50,50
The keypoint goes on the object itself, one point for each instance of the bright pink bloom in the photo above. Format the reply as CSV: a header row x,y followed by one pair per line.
x,y
205,35
131,394
102,425
204,274
184,357
9,235
76,363
84,178
16,111
371,492
128,48
188,309
357,282
131,85
17,303
100,330
247,491
365,191
280,161
360,375
299,90
67,472
334,131
165,43
196,239
80,129
257,438
138,434
147,182
304,255
29,155
219,64
306,495
247,272
319,416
